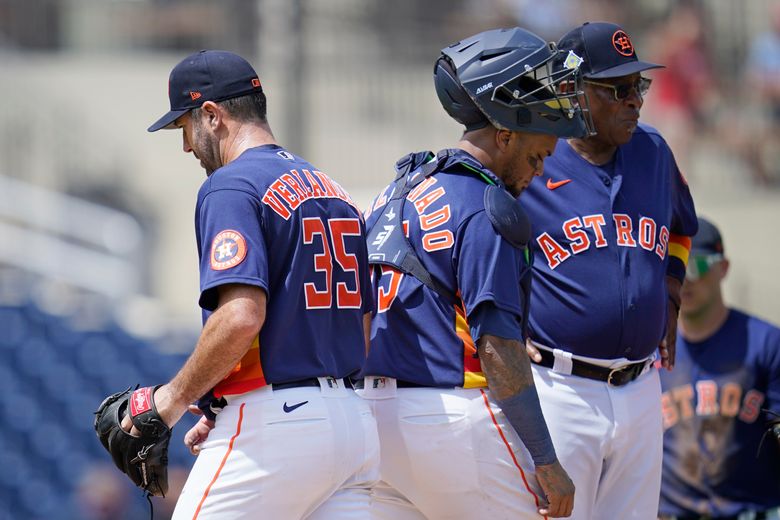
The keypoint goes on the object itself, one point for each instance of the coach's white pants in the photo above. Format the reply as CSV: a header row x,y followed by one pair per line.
x,y
609,439
448,454
316,461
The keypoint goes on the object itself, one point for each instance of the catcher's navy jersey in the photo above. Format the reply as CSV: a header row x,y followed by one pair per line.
x,y
416,335
604,238
713,422
271,220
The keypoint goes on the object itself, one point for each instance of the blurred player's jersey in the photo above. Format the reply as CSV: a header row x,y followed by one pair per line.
x,y
602,239
417,335
713,422
271,220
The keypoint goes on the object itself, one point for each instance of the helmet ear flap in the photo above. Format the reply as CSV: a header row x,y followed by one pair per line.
x,y
454,98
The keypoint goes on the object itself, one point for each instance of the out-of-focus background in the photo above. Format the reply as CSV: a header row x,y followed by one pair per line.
x,y
98,266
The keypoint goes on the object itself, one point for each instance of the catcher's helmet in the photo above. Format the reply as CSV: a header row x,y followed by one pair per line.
x,y
505,77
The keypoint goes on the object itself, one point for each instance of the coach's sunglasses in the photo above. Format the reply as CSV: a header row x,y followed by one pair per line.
x,y
621,92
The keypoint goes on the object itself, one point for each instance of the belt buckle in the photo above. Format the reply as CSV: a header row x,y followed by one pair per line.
x,y
613,372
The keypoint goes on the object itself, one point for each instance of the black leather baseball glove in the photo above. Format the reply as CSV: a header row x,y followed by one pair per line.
x,y
144,459
772,429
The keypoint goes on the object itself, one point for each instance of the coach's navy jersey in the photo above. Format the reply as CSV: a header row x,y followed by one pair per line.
x,y
416,335
602,237
713,422
271,220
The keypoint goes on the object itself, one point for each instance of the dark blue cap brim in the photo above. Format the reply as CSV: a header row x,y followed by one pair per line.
x,y
624,70
167,120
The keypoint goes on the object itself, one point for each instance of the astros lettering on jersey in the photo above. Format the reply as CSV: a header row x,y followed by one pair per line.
x,y
713,421
621,223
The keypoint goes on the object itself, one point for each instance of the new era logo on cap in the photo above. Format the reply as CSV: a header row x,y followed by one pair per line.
x,y
606,50
206,76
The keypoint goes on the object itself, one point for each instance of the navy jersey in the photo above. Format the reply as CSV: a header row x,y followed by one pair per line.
x,y
271,220
417,335
604,238
713,422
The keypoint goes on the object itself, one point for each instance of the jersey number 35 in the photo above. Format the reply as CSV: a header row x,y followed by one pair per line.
x,y
320,295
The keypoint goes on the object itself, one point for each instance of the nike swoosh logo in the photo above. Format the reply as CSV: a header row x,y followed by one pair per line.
x,y
553,185
288,409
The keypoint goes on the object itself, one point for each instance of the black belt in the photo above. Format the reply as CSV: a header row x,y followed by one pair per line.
x,y
613,376
312,381
399,383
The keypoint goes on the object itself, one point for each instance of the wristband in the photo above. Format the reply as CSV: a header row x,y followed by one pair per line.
x,y
524,413
211,406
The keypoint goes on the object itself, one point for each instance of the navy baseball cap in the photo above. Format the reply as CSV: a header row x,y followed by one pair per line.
x,y
706,241
606,50
206,76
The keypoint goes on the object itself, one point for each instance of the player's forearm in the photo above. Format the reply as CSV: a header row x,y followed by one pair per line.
x,y
505,364
225,338
508,371
673,286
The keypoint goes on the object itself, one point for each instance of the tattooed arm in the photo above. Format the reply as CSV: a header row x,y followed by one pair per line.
x,y
511,385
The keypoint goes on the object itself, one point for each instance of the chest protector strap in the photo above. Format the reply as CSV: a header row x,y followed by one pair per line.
x,y
387,242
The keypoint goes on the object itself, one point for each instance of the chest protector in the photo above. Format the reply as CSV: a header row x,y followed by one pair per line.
x,y
388,245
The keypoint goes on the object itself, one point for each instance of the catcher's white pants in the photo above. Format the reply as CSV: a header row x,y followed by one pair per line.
x,y
316,461
448,454
609,440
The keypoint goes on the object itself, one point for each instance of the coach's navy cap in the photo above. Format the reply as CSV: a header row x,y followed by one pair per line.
x,y
606,50
206,76
706,241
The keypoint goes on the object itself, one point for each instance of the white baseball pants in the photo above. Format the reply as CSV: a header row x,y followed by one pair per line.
x,y
448,454
609,440
316,460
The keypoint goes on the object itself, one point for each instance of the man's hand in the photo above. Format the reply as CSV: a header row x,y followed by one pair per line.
x,y
532,351
198,434
558,490
669,344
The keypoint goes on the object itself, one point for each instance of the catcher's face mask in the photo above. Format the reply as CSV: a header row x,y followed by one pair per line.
x,y
700,265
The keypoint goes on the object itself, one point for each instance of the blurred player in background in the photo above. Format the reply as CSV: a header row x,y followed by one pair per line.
x,y
285,292
611,218
727,372
461,431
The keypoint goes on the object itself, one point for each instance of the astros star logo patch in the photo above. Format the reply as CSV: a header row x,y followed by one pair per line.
x,y
227,250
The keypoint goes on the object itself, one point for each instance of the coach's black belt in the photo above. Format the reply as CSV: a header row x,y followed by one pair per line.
x,y
311,381
613,376
399,383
